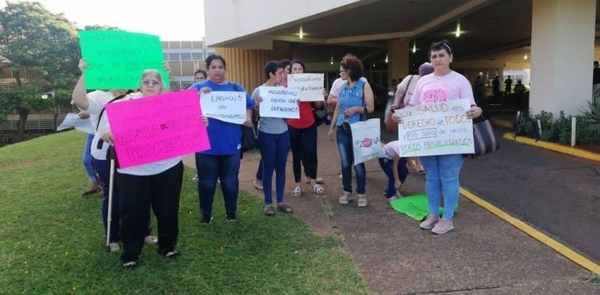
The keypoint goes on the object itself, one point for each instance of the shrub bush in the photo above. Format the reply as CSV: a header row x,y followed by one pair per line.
x,y
559,130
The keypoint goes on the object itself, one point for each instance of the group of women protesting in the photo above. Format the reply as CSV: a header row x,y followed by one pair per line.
x,y
157,186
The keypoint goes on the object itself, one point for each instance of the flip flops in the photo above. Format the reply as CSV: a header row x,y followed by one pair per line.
x,y
269,210
318,189
285,209
297,192
91,192
256,185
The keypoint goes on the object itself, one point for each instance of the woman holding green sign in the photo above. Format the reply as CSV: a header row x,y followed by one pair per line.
x,y
442,171
94,103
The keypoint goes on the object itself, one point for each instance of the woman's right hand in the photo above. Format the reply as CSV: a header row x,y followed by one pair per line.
x,y
107,136
83,115
82,65
397,118
205,90
330,133
257,102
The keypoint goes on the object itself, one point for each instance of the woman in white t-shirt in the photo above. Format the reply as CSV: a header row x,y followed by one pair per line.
x,y
93,103
442,171
155,185
404,93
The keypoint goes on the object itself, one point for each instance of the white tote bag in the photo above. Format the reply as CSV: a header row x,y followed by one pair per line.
x,y
366,140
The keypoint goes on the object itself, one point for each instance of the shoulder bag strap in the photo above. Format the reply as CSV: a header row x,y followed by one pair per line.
x,y
104,108
406,90
365,116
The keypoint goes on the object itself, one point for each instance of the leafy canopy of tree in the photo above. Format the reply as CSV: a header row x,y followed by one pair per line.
x,y
41,51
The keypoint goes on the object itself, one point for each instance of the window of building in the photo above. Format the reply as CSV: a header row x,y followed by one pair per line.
x,y
197,56
174,56
186,56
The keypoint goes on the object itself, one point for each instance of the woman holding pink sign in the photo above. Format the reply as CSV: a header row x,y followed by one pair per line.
x,y
442,171
155,185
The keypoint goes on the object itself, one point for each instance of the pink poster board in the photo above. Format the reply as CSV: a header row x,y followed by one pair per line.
x,y
158,127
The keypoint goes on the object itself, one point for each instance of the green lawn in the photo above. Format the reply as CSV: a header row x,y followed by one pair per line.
x,y
52,242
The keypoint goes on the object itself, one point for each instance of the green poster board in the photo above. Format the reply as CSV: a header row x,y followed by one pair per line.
x,y
116,59
415,206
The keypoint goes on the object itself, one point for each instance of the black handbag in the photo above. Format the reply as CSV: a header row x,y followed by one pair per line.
x,y
320,114
484,139
249,138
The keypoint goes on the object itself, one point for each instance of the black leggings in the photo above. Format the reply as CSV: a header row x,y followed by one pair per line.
x,y
137,194
303,143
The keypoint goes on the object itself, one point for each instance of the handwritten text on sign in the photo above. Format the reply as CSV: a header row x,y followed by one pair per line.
x,y
116,59
309,85
158,127
226,106
279,102
436,129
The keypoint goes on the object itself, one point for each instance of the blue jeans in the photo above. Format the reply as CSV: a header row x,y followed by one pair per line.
x,y
87,159
213,167
386,166
442,179
344,142
273,151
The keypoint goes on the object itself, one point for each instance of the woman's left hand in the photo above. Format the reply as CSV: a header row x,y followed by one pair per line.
x,y
474,112
107,136
257,102
349,112
248,123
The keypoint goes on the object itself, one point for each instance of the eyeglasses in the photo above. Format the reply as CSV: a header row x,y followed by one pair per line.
x,y
151,83
344,71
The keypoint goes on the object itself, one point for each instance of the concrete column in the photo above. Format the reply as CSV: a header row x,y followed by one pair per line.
x,y
246,66
397,59
562,53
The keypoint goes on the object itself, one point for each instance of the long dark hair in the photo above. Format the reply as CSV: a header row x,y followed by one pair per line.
x,y
212,57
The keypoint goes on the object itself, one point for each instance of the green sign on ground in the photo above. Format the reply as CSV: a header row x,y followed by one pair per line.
x,y
415,206
116,59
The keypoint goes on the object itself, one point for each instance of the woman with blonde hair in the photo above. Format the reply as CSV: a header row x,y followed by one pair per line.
x,y
155,186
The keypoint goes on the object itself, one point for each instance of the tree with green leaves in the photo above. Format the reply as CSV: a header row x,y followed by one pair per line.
x,y
41,50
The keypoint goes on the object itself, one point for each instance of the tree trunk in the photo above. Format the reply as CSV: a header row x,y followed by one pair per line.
x,y
23,114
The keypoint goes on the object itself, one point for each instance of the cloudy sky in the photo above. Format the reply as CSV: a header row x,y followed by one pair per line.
x,y
171,20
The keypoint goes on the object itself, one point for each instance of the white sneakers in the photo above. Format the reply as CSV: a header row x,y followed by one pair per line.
x,y
436,225
114,247
150,240
347,197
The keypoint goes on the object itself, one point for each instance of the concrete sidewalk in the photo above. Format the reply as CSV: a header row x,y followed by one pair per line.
x,y
483,255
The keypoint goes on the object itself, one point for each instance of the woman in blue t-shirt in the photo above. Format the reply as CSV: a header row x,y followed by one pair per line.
x,y
222,161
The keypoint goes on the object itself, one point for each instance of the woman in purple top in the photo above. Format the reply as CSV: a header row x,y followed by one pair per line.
x,y
442,171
